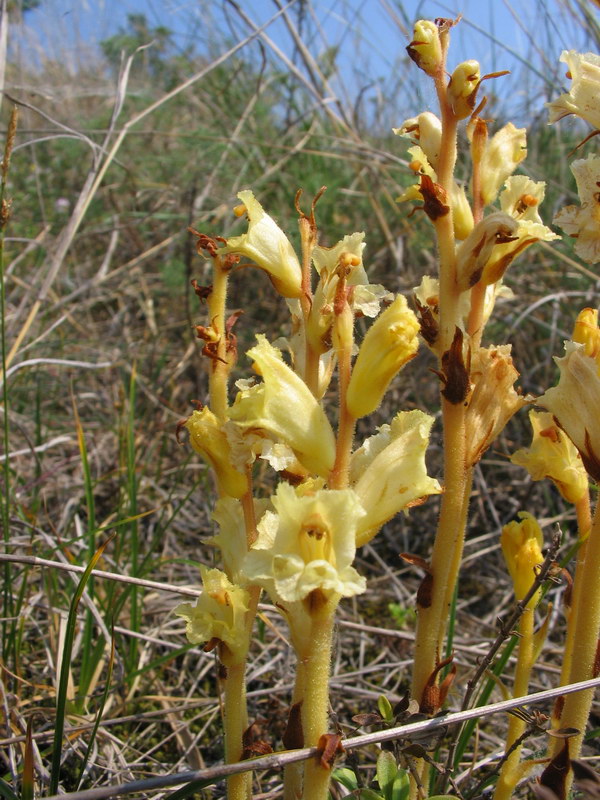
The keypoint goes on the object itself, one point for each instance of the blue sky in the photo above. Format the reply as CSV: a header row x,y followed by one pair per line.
x,y
372,33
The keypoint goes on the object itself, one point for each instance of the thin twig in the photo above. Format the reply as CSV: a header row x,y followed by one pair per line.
x,y
276,760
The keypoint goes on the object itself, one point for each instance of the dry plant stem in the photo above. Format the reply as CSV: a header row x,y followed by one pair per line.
x,y
316,662
584,522
577,706
510,773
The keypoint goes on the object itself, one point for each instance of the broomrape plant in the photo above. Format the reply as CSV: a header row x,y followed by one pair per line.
x,y
333,491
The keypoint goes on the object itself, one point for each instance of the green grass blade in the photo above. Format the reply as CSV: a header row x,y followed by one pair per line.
x,y
109,671
61,698
189,789
6,792
28,774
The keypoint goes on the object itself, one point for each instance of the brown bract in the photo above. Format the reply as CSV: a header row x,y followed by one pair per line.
x,y
435,198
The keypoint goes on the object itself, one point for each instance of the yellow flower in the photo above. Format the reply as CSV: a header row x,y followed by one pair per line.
x,y
522,550
587,333
218,615
426,129
583,222
493,399
208,439
388,472
476,252
462,89
583,98
232,536
462,216
518,200
575,404
390,342
283,406
503,153
426,48
268,247
553,455
308,544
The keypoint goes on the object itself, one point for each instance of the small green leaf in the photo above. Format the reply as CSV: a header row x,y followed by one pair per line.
x,y
385,708
387,769
369,794
401,786
346,777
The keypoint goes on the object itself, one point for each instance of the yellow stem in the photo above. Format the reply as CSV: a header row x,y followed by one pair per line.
x,y
220,366
510,773
235,722
316,662
293,773
577,706
584,521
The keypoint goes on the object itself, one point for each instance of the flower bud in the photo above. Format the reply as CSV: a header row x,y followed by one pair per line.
x,y
587,333
209,440
390,342
462,89
553,455
426,48
522,550
426,129
267,246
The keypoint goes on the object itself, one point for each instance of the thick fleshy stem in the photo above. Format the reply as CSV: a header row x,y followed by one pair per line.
x,y
584,522
343,338
510,774
235,722
584,660
220,366
447,550
316,663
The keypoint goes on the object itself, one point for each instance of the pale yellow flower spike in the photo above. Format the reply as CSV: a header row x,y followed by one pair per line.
x,y
583,222
390,342
267,246
583,98
522,550
553,455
